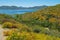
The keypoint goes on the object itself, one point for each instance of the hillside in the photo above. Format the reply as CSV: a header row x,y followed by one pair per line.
x,y
47,17
44,23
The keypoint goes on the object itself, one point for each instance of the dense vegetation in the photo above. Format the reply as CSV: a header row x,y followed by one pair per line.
x,y
47,18
40,25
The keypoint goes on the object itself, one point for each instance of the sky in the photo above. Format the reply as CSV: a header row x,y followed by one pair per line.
x,y
28,3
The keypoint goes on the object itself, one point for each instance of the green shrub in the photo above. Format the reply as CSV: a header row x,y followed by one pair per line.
x,y
30,36
21,36
7,25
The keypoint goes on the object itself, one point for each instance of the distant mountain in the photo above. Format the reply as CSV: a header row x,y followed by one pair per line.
x,y
15,7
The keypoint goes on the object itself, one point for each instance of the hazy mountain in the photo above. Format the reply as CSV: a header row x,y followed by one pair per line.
x,y
15,7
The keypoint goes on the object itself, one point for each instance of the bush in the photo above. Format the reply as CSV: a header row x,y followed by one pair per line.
x,y
9,32
30,36
7,25
21,36
10,25
6,33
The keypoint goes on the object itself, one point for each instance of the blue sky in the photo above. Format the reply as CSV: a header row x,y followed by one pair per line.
x,y
28,3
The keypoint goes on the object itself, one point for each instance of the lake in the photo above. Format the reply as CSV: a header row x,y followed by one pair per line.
x,y
5,11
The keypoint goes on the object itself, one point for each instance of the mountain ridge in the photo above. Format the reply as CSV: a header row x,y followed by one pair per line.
x,y
15,7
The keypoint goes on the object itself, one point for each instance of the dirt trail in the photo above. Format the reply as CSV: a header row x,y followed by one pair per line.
x,y
1,33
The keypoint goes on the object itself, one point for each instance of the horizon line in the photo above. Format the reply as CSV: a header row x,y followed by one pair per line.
x,y
27,6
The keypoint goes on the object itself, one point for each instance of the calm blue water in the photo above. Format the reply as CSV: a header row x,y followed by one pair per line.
x,y
16,11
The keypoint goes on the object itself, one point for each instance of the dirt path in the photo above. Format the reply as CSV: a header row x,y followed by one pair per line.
x,y
1,33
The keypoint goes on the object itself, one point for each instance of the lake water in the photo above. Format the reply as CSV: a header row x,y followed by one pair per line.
x,y
16,11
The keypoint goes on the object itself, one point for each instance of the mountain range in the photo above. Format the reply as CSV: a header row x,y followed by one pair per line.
x,y
15,7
